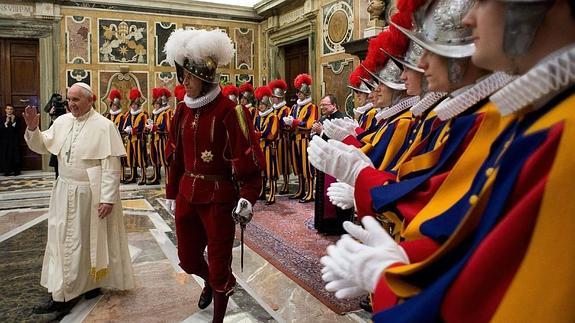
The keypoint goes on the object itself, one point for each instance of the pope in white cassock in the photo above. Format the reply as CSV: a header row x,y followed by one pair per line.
x,y
87,246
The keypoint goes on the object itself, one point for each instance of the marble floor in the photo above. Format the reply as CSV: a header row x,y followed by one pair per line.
x,y
163,293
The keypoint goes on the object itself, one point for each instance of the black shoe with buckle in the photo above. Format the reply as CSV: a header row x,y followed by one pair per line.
x,y
205,297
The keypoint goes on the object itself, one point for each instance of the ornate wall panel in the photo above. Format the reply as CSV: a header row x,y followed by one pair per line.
x,y
242,78
124,82
78,39
337,26
244,39
163,31
78,75
334,77
225,78
122,41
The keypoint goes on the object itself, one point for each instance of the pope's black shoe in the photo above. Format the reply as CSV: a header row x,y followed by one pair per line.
x,y
205,297
52,306
92,293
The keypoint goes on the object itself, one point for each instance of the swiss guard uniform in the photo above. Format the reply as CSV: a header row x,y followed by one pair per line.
x,y
361,90
302,116
118,118
267,127
134,127
158,128
247,99
216,166
279,88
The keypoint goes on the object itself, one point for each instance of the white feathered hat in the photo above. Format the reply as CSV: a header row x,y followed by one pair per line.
x,y
199,52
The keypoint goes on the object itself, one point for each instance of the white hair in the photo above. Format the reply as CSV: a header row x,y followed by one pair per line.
x,y
86,89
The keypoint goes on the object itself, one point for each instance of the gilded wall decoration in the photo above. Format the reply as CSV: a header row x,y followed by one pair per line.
x,y
337,26
124,82
78,75
78,38
122,41
242,78
334,77
244,39
163,31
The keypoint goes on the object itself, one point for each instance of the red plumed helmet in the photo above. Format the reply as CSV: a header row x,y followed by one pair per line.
x,y
166,92
230,89
115,94
263,95
135,94
355,78
156,93
302,83
278,87
302,79
180,92
246,87
263,91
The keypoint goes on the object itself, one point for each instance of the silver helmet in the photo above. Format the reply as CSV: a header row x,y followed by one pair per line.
x,y
363,87
389,75
411,58
522,20
439,28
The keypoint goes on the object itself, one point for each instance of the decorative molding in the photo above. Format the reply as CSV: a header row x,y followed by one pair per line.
x,y
242,78
291,16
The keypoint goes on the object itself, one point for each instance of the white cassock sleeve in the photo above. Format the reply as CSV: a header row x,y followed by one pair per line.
x,y
110,190
35,140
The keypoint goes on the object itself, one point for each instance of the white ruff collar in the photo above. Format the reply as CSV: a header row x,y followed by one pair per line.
x,y
452,107
397,108
552,75
202,100
265,113
160,110
279,105
114,113
135,112
428,100
363,109
304,102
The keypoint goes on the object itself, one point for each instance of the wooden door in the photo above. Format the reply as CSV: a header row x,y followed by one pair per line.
x,y
297,62
20,86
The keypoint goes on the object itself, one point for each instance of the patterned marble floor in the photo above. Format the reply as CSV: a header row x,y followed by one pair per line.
x,y
163,293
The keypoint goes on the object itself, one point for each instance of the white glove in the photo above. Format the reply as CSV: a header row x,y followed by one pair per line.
x,y
341,195
336,132
171,205
150,122
337,159
150,126
288,121
128,130
362,264
348,124
243,213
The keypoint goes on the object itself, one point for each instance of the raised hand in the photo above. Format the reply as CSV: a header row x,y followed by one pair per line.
x,y
31,117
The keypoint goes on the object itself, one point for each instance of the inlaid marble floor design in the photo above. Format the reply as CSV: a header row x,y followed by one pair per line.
x,y
163,293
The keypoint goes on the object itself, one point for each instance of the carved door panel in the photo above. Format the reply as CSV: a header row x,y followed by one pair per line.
x,y
296,62
20,86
